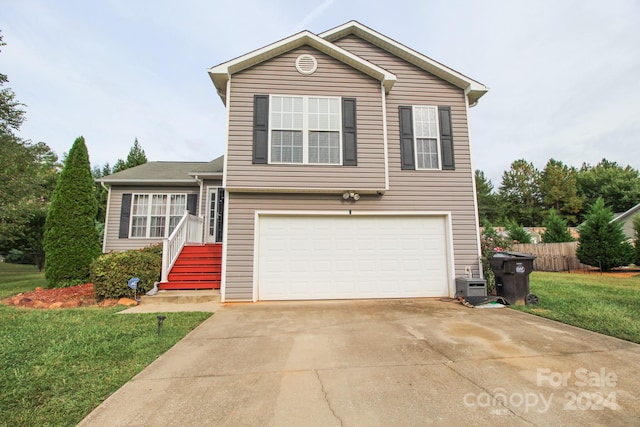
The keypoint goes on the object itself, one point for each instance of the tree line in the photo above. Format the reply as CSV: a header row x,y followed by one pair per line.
x,y
30,177
528,196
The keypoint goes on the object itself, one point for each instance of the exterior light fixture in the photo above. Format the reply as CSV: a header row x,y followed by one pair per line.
x,y
351,195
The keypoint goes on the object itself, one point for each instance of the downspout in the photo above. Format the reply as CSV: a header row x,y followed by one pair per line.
x,y
225,217
475,196
384,136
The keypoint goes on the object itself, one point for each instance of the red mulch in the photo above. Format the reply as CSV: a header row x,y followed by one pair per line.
x,y
71,297
614,273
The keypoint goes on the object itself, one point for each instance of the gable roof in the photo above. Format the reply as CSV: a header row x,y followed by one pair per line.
x,y
166,173
631,212
213,168
221,73
473,89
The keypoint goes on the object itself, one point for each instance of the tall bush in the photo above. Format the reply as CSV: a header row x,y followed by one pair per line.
x,y
71,241
556,229
602,242
517,233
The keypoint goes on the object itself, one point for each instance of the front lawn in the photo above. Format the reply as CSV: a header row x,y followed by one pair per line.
x,y
601,303
58,365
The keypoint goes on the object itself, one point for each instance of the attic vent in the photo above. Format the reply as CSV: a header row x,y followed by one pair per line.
x,y
306,64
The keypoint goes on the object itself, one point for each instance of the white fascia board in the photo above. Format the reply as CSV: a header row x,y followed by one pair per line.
x,y
305,190
148,181
627,213
473,89
206,174
225,166
221,73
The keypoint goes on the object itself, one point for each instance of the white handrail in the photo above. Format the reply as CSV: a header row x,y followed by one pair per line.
x,y
188,230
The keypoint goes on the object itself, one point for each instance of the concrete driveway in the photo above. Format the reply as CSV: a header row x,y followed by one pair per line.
x,y
381,363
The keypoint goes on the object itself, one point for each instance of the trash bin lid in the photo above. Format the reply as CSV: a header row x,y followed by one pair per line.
x,y
508,254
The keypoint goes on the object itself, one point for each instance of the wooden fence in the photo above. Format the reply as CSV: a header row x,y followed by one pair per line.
x,y
552,256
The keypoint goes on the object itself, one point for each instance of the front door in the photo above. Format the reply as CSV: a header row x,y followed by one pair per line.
x,y
215,215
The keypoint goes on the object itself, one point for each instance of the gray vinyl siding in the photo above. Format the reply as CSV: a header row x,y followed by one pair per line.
x,y
450,190
419,190
112,226
333,78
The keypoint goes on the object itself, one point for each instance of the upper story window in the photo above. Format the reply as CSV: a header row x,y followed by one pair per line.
x,y
305,129
156,215
425,130
426,138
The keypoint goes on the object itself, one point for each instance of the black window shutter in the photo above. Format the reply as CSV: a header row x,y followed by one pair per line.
x,y
446,138
125,216
349,137
260,129
407,157
192,203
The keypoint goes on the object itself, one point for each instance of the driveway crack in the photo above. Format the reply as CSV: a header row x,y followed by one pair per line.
x,y
324,394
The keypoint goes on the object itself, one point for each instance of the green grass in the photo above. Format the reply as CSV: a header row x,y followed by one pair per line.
x,y
16,278
57,365
606,304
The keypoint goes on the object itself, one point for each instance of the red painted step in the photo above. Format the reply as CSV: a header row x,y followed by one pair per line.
x,y
193,277
197,267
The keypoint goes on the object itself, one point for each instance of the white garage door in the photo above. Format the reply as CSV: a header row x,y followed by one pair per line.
x,y
340,257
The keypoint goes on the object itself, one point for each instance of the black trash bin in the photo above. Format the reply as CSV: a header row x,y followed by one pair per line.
x,y
511,270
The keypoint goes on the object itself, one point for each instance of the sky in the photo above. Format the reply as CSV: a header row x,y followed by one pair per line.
x,y
563,74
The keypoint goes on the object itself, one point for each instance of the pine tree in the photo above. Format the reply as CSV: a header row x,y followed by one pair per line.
x,y
517,233
71,241
556,229
136,157
602,242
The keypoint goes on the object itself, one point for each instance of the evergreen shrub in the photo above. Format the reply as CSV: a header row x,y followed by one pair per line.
x,y
111,272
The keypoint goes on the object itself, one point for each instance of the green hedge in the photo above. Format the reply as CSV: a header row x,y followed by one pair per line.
x,y
110,273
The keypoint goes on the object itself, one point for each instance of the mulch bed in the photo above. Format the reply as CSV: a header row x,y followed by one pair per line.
x,y
71,297
615,272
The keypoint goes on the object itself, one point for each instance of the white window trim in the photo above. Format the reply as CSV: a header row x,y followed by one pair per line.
x,y
148,214
415,138
305,130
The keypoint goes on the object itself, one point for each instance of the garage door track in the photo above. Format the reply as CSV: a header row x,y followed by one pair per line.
x,y
381,363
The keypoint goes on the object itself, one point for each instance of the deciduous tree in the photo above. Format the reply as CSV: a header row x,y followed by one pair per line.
x,y
11,111
618,186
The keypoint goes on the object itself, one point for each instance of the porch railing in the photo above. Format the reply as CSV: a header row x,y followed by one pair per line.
x,y
189,230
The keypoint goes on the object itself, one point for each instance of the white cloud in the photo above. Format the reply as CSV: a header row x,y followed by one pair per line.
x,y
562,74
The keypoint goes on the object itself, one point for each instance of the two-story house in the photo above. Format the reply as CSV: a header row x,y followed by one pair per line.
x,y
347,174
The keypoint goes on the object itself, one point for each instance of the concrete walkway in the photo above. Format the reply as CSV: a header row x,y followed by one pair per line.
x,y
381,363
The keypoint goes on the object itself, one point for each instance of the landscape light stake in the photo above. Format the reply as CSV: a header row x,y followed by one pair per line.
x,y
160,320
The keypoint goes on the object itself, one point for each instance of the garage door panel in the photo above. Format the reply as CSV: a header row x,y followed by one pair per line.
x,y
325,257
